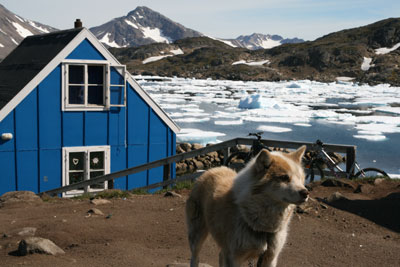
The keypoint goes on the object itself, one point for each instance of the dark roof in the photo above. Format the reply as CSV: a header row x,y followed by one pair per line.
x,y
28,59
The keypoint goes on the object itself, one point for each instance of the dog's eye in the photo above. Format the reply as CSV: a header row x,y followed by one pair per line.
x,y
284,178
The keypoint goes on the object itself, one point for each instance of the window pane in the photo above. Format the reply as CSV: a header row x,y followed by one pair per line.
x,y
76,74
75,177
76,94
96,174
95,95
96,74
97,160
76,161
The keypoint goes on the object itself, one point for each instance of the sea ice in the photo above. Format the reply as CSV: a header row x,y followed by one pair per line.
x,y
371,137
198,136
273,129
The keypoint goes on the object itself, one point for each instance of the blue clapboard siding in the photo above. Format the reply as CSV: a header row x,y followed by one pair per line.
x,y
33,159
118,163
27,170
8,180
50,175
26,123
158,148
50,111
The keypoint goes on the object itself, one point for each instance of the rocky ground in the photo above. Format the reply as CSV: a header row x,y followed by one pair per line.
x,y
344,224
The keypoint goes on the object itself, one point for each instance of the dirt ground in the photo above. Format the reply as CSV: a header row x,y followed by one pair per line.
x,y
361,229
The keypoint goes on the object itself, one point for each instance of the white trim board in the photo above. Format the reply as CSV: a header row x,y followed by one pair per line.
x,y
82,35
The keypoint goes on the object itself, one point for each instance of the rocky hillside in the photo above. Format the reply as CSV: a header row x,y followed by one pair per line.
x,y
366,54
13,29
141,26
261,41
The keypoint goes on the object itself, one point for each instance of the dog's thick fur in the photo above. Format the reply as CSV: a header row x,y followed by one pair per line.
x,y
246,213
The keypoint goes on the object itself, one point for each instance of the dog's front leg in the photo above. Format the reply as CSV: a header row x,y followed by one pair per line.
x,y
276,242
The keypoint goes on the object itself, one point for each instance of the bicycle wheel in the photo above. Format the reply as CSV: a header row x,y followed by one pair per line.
x,y
237,160
371,173
315,170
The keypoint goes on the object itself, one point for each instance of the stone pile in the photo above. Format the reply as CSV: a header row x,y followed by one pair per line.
x,y
200,162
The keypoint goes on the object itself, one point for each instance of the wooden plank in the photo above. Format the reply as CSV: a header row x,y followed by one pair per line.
x,y
164,184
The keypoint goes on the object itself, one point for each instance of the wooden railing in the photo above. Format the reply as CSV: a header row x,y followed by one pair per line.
x,y
223,146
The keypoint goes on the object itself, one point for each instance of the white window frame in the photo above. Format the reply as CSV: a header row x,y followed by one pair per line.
x,y
87,150
66,106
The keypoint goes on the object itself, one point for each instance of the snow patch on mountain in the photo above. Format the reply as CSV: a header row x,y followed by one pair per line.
x,y
386,50
107,40
155,34
21,30
252,63
366,65
130,23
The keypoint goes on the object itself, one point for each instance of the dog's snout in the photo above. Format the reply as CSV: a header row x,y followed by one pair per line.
x,y
304,193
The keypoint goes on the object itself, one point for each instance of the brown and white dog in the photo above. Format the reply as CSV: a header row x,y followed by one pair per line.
x,y
246,213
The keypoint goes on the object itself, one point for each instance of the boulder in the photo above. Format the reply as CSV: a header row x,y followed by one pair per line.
x,y
337,183
364,188
32,245
19,196
335,197
100,201
196,146
95,211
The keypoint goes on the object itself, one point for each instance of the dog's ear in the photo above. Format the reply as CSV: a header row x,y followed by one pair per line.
x,y
298,154
263,160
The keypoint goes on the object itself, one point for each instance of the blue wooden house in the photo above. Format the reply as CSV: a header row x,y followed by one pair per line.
x,y
69,112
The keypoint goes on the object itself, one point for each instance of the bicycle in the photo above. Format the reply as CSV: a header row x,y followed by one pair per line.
x,y
238,159
319,160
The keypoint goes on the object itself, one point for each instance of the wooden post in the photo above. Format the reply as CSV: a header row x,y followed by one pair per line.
x,y
350,160
167,174
225,152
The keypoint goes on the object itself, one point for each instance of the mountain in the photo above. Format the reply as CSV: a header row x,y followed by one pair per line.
x,y
260,41
13,29
141,26
368,54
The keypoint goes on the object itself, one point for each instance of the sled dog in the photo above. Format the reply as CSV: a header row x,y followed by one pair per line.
x,y
247,213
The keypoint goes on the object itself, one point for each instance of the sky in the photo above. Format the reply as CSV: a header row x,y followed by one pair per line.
x,y
305,19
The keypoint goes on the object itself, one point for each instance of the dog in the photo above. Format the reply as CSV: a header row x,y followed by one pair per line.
x,y
247,213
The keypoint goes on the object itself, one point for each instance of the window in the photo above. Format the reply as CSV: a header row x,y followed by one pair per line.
x,y
85,163
93,86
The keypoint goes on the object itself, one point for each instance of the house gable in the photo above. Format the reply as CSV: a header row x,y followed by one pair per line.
x,y
85,51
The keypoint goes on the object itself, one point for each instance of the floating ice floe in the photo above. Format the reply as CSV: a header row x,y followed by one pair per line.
x,y
389,110
232,122
370,137
198,136
273,129
303,124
